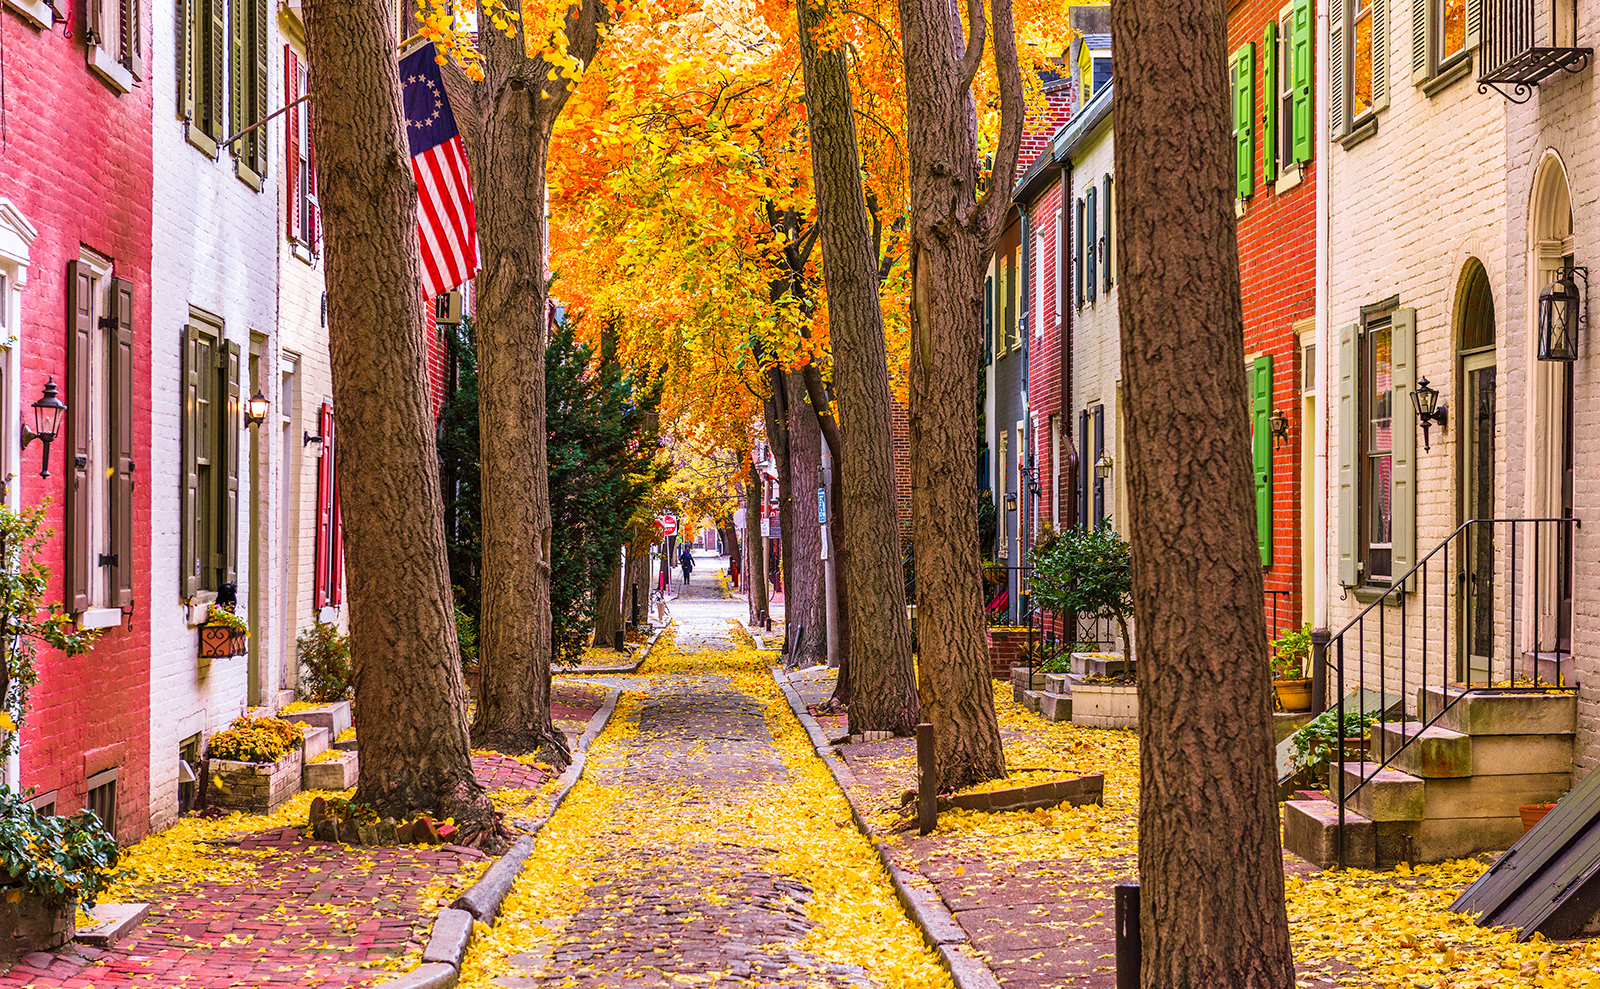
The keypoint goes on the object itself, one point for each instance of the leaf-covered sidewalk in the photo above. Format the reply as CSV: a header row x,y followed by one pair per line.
x,y
1034,889
248,900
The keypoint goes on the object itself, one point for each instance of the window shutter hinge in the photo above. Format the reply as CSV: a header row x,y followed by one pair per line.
x,y
108,560
80,461
107,323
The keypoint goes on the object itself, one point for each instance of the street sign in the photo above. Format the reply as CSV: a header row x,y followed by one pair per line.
x,y
822,506
669,525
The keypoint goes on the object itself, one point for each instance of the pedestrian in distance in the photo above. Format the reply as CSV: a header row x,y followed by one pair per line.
x,y
687,562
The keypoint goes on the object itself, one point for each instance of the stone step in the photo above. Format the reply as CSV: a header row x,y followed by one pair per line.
x,y
1030,699
1501,714
1100,664
1057,683
1310,829
1388,795
112,922
1492,796
318,740
1439,839
285,698
1442,753
1055,707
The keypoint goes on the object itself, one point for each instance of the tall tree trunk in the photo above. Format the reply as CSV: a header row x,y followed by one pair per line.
x,y
952,238
608,610
805,606
730,542
1212,907
844,684
636,579
880,635
517,105
756,546
411,702
775,412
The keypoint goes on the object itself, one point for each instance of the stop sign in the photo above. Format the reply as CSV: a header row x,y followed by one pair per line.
x,y
669,525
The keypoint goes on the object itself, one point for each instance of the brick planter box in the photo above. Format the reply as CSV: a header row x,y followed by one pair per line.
x,y
1096,705
33,924
1006,644
256,787
335,717
333,772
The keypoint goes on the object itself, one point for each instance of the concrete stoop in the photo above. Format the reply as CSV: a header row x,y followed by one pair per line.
x,y
1452,791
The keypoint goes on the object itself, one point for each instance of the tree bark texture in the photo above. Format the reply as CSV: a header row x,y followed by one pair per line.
x,y
953,233
880,635
411,701
516,107
1212,904
775,413
805,606
636,580
844,684
755,545
608,611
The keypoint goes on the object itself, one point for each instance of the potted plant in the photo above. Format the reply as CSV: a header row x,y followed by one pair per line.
x,y
49,867
1291,688
1313,745
223,634
1532,814
256,764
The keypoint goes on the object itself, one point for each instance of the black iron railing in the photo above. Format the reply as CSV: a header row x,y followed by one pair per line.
x,y
1517,53
1493,582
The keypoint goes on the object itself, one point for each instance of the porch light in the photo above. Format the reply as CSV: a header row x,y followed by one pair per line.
x,y
1278,426
1425,399
256,411
46,423
1102,467
1561,312
1011,501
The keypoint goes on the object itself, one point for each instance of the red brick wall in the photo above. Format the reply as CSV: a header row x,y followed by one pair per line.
x,y
1006,645
1047,375
900,426
1277,271
77,164
1039,128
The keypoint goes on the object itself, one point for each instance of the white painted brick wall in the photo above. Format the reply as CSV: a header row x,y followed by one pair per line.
x,y
1096,339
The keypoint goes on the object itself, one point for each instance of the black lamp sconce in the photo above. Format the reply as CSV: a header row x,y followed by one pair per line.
x,y
255,411
46,423
1425,399
1562,310
309,439
1278,426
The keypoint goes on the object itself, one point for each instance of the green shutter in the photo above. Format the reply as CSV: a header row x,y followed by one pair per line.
x,y
1110,242
1403,340
1091,241
228,430
189,507
1421,33
1244,111
1349,450
1302,80
1077,256
185,60
212,83
1269,104
1261,452
258,139
1380,54
1338,71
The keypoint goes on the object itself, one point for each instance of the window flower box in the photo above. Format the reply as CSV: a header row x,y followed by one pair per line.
x,y
223,634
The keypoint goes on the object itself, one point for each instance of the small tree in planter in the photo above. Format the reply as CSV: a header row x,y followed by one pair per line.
x,y
48,867
1088,571
325,669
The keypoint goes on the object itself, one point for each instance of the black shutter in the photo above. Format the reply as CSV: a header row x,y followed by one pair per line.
x,y
80,348
1099,451
189,563
1084,463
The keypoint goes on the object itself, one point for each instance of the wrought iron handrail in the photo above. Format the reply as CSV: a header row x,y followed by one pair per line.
x,y
1415,581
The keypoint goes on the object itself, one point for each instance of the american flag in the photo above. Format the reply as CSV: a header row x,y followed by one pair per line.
x,y
446,223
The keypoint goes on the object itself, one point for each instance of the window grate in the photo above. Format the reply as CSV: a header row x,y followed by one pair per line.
x,y
103,799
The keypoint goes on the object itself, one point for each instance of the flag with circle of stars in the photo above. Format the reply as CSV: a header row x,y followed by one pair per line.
x,y
446,222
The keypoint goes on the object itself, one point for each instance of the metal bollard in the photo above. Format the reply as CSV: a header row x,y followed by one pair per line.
x,y
1127,898
619,646
927,781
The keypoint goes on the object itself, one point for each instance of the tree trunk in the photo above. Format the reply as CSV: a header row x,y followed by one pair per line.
x,y
636,580
805,605
411,702
1212,906
755,570
952,237
730,542
517,105
775,412
844,684
608,611
880,636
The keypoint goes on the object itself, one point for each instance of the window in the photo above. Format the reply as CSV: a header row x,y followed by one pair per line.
x,y
114,40
210,507
248,77
1442,33
1377,447
301,158
44,803
102,800
188,775
199,64
1286,82
99,448
16,239
1242,70
1358,65
329,590
1101,71
218,102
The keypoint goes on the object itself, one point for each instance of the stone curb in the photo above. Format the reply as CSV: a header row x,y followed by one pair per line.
x,y
613,670
927,909
451,933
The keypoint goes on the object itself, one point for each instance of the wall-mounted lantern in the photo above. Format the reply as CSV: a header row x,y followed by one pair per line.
x,y
1425,399
255,411
309,439
1102,467
1278,426
1011,501
46,423
1561,312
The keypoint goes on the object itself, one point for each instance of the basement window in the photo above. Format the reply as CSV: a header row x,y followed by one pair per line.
x,y
103,799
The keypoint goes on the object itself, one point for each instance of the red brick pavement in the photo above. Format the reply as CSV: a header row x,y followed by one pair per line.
x,y
501,772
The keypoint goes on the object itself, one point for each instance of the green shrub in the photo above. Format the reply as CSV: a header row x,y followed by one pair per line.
x,y
324,663
1312,746
62,859
1289,654
467,635
256,740
1087,571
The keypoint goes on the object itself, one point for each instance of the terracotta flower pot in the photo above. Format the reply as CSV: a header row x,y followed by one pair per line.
x,y
1532,814
1294,695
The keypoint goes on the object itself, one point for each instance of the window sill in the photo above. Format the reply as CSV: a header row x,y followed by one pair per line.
x,y
35,12
248,175
99,618
200,139
200,607
1448,75
1288,179
1360,133
1240,207
113,72
303,252
1368,593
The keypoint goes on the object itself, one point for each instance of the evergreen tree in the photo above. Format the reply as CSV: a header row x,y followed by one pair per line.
x,y
458,456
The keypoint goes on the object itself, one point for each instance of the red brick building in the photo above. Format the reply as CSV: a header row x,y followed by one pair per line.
x,y
75,259
1272,67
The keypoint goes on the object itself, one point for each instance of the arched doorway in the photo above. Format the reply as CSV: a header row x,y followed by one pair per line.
x,y
1478,412
1550,419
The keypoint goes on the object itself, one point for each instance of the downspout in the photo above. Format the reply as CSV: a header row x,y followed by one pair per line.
x,y
1025,455
1065,304
1319,475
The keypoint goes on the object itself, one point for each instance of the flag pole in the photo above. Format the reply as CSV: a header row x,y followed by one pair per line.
x,y
264,120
